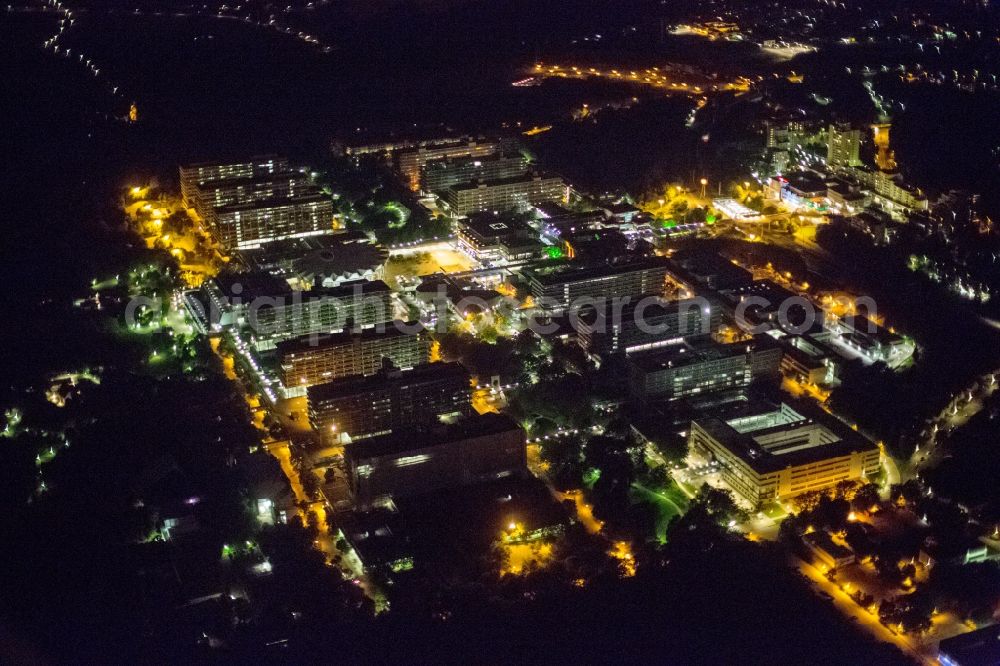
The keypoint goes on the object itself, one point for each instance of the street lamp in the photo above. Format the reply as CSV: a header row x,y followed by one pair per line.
x,y
704,182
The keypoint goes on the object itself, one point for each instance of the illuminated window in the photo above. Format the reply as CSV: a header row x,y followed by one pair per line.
x,y
407,461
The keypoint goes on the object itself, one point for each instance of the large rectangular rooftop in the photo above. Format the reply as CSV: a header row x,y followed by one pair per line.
x,y
422,438
785,437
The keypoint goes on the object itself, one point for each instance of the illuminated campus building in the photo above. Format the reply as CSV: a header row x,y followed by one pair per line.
x,y
843,146
439,175
653,324
195,176
363,406
488,237
327,261
248,204
697,368
518,193
421,460
269,311
412,161
311,360
557,287
776,453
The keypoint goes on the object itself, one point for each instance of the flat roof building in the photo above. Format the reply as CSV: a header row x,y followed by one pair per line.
x,y
975,648
248,204
764,305
251,224
710,270
807,359
194,175
867,338
783,452
488,236
421,460
519,193
691,369
326,261
638,328
827,551
556,287
311,360
363,406
270,311
413,160
439,175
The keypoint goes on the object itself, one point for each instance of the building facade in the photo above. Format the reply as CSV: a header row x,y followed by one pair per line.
x,y
195,176
249,225
519,193
397,465
364,406
557,287
440,175
269,311
635,328
309,360
248,204
779,453
412,161
843,146
687,370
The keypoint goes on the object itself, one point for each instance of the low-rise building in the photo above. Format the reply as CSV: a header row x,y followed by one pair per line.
x,y
764,305
710,270
491,237
476,449
846,197
877,225
323,261
801,189
783,452
953,550
807,359
980,647
864,336
827,551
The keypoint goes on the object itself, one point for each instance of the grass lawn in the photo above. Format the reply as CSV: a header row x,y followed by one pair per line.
x,y
669,502
774,511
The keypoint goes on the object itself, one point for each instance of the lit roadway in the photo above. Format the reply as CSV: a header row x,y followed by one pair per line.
x,y
924,654
653,77
584,512
962,407
351,566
